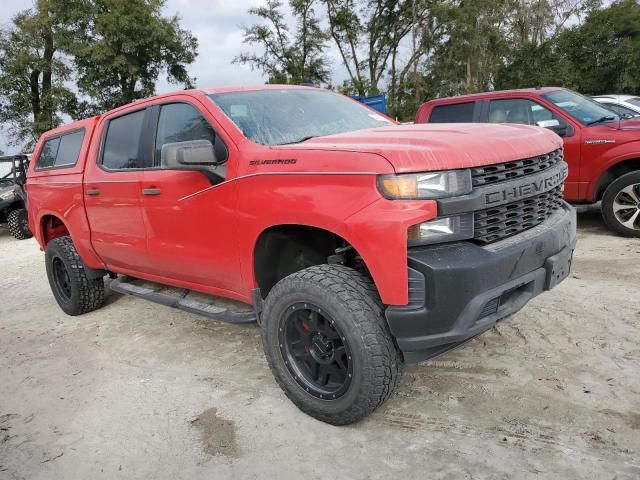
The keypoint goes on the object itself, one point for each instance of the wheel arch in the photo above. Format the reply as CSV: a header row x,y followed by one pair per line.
x,y
283,249
612,173
50,225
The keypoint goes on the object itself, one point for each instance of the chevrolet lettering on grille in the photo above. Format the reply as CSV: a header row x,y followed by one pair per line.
x,y
517,192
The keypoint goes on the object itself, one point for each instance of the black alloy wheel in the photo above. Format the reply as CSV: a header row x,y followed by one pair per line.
x,y
315,352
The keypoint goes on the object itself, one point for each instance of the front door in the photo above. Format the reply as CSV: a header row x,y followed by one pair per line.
x,y
191,219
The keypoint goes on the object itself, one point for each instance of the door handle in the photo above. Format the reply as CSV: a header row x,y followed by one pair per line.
x,y
151,191
93,192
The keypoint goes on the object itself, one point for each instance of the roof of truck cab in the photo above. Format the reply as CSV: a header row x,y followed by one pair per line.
x,y
477,96
250,88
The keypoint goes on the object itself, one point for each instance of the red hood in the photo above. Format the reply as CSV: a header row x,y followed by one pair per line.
x,y
629,124
428,147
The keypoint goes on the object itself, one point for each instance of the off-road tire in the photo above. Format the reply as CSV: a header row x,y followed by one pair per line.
x,y
85,294
18,224
353,303
609,200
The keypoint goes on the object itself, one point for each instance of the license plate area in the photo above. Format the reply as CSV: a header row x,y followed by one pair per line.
x,y
558,268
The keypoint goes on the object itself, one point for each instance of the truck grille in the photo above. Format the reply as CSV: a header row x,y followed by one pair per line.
x,y
507,171
496,223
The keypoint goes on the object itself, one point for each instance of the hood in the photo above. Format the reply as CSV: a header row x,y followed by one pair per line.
x,y
628,124
429,147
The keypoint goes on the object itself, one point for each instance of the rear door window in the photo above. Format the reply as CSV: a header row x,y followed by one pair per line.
x,y
62,151
453,113
122,142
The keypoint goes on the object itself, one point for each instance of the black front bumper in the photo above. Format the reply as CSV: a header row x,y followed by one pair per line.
x,y
459,290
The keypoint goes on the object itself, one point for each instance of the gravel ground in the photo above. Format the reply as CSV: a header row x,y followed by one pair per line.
x,y
137,390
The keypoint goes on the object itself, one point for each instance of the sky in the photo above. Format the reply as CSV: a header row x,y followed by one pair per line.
x,y
218,26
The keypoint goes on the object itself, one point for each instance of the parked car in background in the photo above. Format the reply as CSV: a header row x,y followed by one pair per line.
x,y
628,105
13,198
358,244
601,148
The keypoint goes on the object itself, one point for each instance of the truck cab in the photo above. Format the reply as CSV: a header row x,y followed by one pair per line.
x,y
357,244
601,148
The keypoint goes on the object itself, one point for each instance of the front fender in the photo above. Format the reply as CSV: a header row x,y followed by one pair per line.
x,y
347,205
613,156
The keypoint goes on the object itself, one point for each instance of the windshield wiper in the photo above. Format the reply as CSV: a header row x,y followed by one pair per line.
x,y
300,140
606,118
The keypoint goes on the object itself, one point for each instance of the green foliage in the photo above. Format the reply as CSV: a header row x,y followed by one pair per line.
x,y
121,52
33,95
604,52
114,49
287,57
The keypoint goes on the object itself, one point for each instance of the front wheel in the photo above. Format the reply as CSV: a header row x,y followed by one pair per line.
x,y
328,345
74,291
18,224
621,205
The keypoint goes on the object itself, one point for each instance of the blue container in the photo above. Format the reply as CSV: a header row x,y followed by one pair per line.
x,y
377,102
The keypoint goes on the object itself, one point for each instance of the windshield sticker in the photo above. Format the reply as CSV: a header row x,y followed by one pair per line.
x,y
239,111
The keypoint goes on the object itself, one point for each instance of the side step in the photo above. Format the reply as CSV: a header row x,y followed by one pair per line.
x,y
217,308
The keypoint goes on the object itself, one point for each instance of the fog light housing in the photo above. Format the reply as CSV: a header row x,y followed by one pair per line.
x,y
443,229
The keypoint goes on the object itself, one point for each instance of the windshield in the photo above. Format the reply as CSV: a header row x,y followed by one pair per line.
x,y
283,116
583,109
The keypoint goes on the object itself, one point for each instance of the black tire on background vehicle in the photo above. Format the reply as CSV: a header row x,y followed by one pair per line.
x,y
621,205
73,290
18,224
328,344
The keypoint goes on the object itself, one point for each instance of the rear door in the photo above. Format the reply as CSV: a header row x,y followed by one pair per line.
x,y
461,112
112,191
191,219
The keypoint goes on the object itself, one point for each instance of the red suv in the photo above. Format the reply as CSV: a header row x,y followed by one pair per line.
x,y
602,149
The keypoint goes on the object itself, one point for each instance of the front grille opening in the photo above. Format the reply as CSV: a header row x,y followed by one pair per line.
x,y
497,223
507,171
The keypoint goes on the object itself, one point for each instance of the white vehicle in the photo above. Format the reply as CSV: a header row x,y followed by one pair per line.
x,y
623,105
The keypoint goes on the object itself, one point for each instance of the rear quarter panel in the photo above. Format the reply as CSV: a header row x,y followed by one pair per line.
x,y
58,191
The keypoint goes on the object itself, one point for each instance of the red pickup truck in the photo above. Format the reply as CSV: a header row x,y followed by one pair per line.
x,y
355,243
601,148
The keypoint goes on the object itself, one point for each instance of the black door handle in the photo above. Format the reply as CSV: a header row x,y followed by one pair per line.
x,y
93,192
151,191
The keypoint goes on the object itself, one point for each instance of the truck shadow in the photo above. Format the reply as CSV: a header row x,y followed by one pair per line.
x,y
590,219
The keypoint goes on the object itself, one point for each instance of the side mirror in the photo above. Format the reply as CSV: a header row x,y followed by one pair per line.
x,y
190,155
554,125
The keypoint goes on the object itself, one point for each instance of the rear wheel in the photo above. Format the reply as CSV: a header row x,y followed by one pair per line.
x,y
73,290
18,224
621,205
328,344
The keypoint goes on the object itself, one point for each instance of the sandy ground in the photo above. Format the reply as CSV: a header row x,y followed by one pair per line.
x,y
137,390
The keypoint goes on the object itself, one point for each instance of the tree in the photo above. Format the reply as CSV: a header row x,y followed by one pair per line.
x,y
127,44
368,34
33,95
286,57
604,51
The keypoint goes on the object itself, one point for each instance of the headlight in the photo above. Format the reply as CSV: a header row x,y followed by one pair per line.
x,y
418,186
8,195
444,229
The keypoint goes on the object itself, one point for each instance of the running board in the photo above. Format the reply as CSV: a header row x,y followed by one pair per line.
x,y
180,299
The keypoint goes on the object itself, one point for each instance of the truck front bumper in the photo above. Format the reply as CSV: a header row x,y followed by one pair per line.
x,y
459,290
